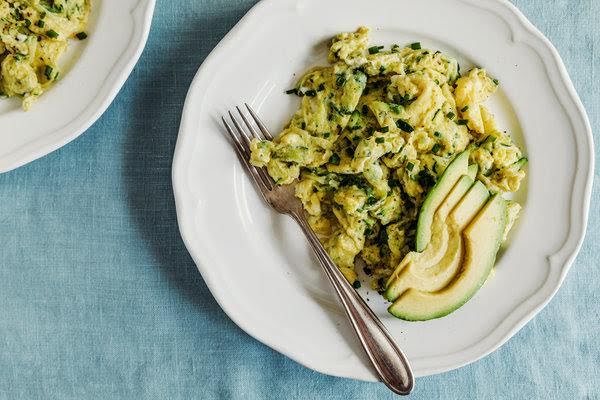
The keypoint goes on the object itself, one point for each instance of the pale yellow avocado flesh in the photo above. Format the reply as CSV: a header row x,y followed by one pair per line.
x,y
457,210
437,248
482,238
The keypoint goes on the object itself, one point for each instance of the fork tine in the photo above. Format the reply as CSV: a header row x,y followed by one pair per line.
x,y
259,122
263,174
249,125
258,175
239,128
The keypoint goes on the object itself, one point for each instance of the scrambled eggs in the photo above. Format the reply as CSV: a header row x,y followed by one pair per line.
x,y
374,131
33,35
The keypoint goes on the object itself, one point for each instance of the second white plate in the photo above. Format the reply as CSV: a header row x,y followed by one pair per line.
x,y
94,70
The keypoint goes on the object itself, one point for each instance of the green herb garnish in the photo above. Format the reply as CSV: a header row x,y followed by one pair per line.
x,y
405,126
48,72
384,129
450,115
462,121
52,34
51,6
334,159
379,140
81,36
375,49
415,46
465,108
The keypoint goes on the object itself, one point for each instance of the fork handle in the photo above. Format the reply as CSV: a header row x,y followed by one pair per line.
x,y
390,363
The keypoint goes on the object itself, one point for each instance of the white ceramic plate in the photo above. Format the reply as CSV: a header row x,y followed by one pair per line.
x,y
94,70
256,262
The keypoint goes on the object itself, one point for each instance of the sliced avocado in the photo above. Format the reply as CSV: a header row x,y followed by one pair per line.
x,y
439,239
459,190
472,171
469,205
429,276
482,239
436,196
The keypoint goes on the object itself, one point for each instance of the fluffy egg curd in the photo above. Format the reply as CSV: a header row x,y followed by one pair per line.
x,y
375,130
33,36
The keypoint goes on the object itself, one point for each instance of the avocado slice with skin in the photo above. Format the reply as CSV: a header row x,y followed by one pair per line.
x,y
482,237
421,274
439,239
457,168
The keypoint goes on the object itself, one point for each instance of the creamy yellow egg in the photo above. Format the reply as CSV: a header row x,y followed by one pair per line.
x,y
374,131
33,36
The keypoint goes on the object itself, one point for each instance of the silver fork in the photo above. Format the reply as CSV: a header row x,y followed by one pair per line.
x,y
390,363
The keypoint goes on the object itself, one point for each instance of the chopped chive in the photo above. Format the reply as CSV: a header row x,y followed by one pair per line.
x,y
303,125
82,36
40,23
495,82
450,115
321,87
48,72
462,121
384,129
291,91
375,49
326,135
405,126
340,79
52,34
349,152
415,46
395,48
410,166
436,113
436,147
395,108
379,140
27,23
334,159
311,93
465,108
437,134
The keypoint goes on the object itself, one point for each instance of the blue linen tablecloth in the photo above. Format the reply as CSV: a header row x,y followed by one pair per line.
x,y
99,298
